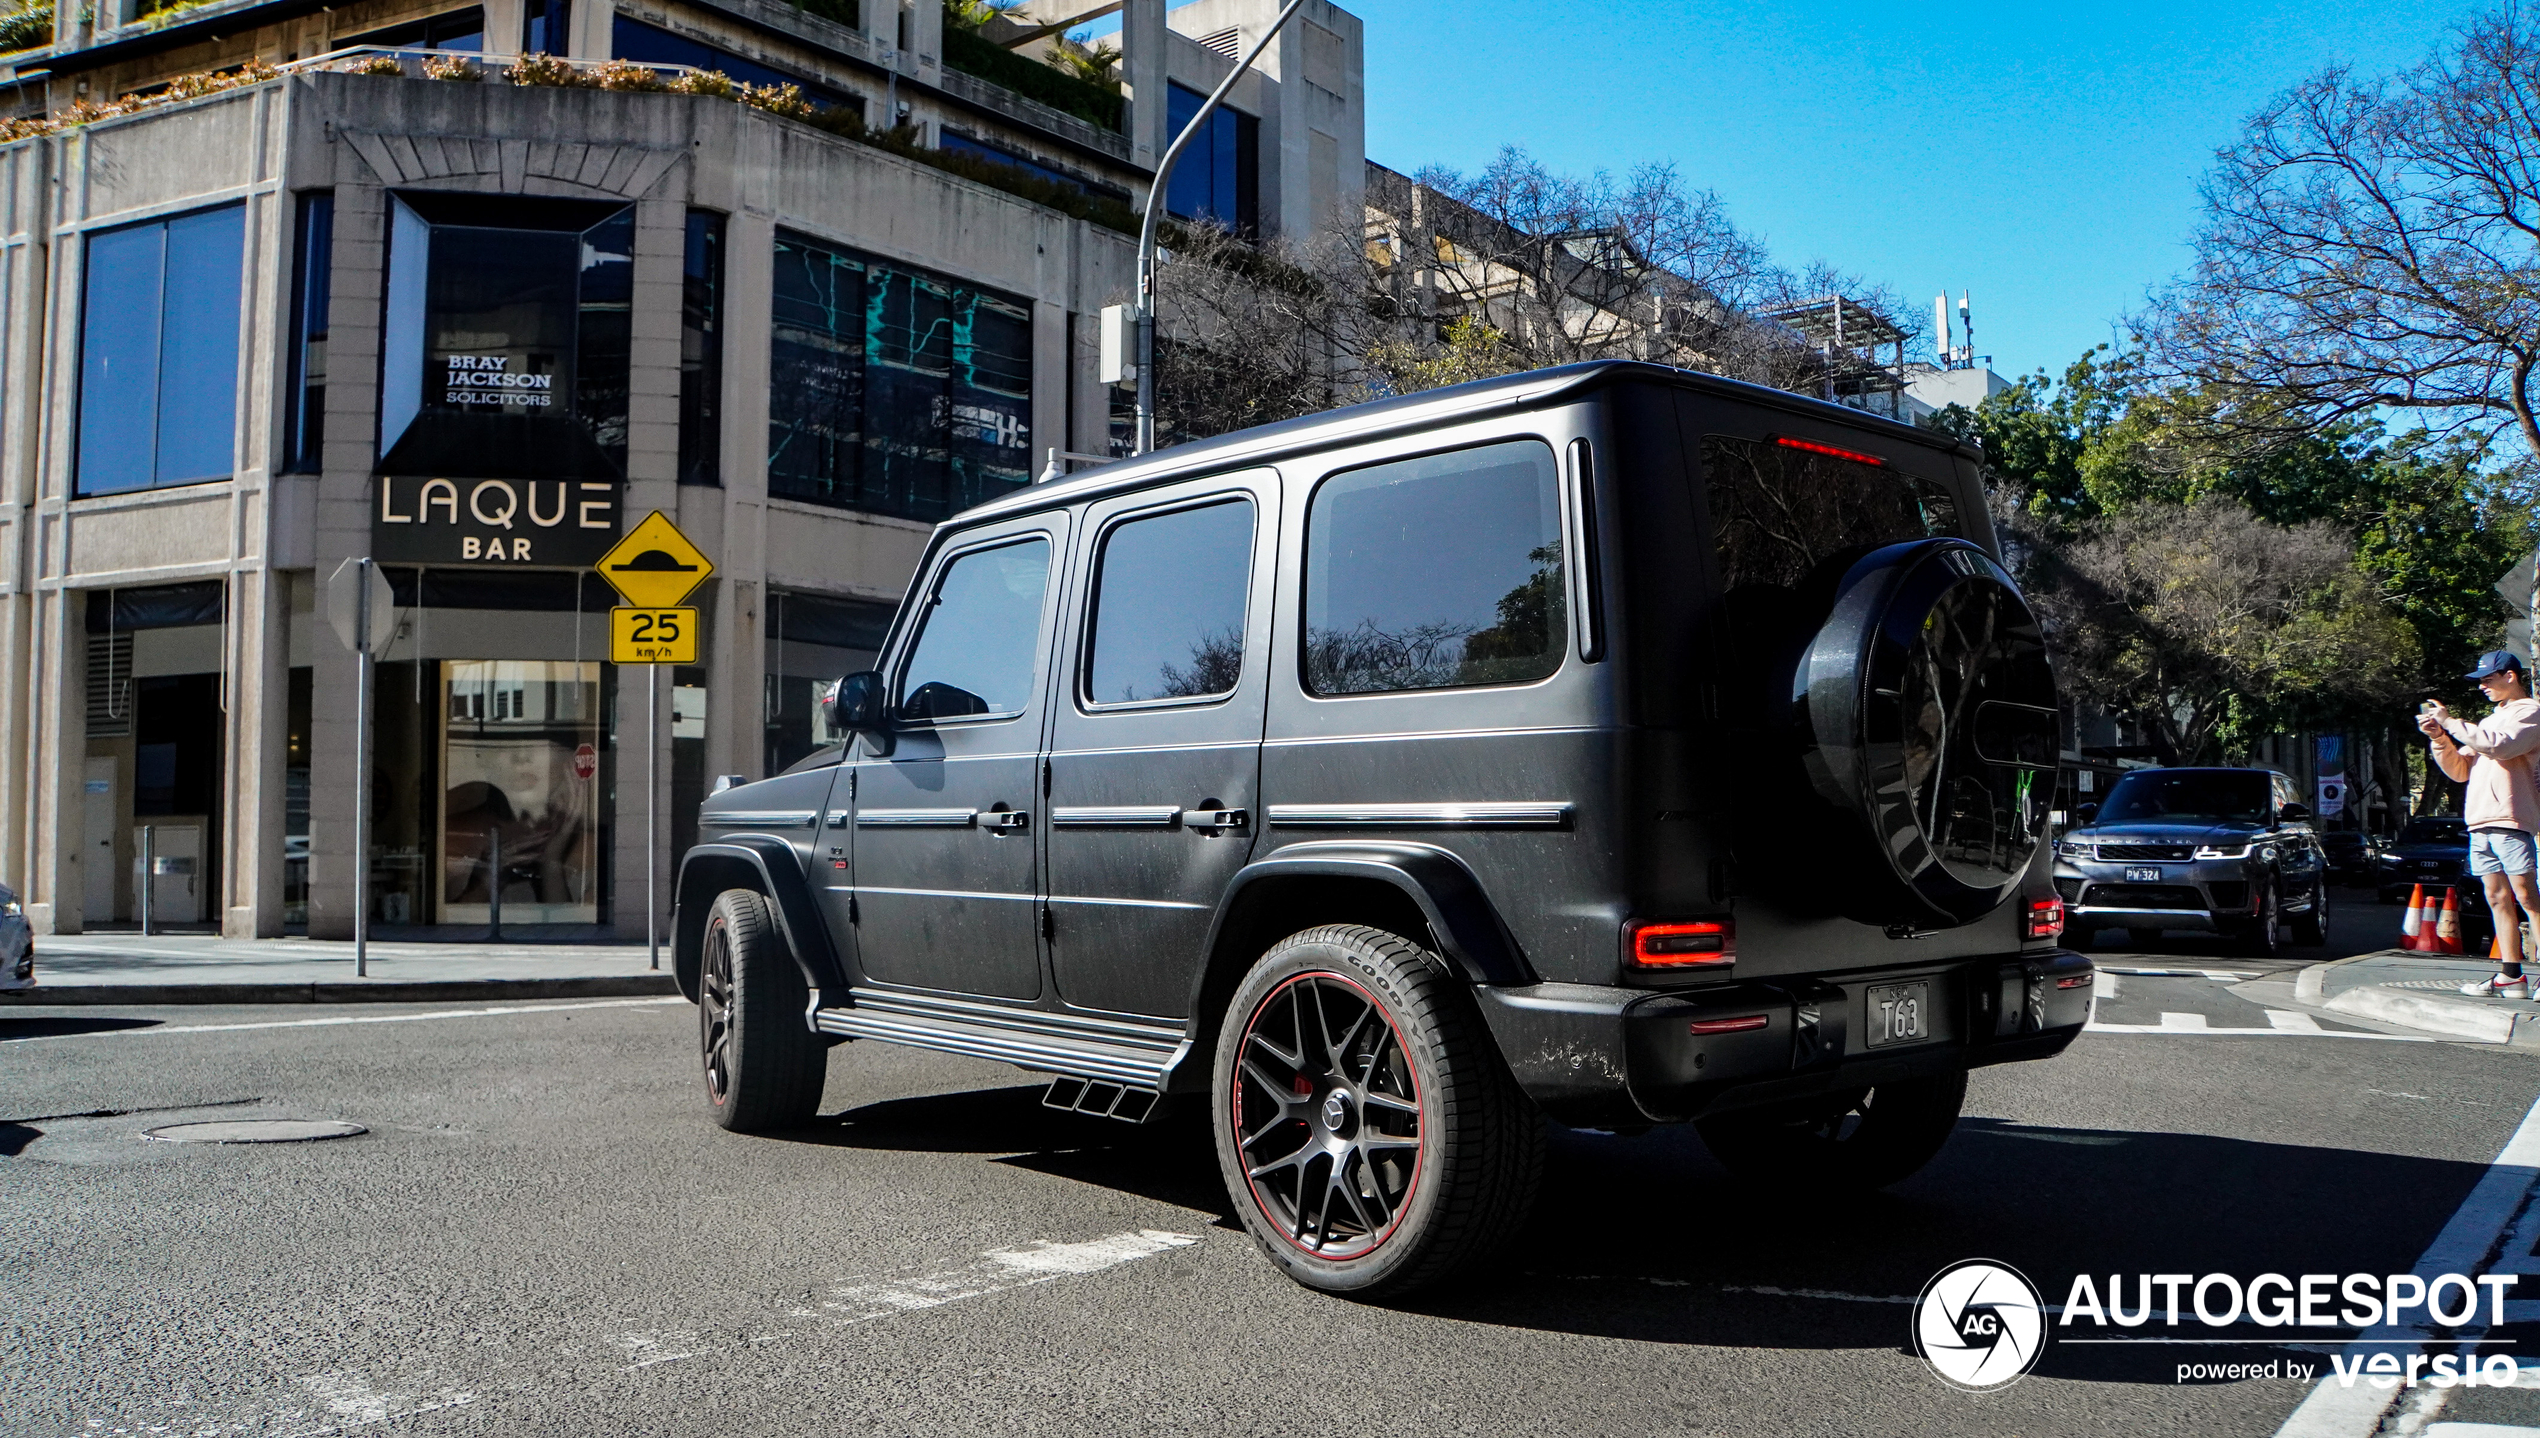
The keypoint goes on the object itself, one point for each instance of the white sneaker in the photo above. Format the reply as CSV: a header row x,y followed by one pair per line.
x,y
2497,986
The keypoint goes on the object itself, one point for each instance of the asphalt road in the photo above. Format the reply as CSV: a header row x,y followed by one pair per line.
x,y
543,1233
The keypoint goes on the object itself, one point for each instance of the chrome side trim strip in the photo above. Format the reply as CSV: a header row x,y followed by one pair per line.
x,y
1125,1032
760,819
1069,1059
1549,814
916,818
1133,816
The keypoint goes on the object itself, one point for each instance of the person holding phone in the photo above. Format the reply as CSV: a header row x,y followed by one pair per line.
x,y
2501,806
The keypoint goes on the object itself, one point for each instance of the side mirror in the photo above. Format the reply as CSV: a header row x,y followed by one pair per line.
x,y
2087,813
2294,814
859,706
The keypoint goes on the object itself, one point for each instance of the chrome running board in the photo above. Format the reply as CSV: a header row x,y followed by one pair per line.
x,y
1123,1052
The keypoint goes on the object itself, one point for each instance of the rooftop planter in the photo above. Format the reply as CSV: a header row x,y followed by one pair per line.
x,y
968,51
26,29
625,76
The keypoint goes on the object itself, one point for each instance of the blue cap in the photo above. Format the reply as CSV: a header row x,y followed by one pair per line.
x,y
2495,662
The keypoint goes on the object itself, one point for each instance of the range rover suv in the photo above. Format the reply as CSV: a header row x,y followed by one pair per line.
x,y
1609,745
2218,851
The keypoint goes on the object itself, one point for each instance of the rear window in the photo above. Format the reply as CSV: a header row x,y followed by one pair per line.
x,y
1436,573
1780,507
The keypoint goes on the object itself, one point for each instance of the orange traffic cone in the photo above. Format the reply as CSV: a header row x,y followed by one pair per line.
x,y
2447,930
2412,923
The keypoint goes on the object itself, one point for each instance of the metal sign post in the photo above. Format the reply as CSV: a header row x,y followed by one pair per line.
x,y
653,567
652,807
149,877
363,610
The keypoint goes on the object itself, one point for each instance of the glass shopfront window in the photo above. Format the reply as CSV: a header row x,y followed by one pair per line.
x,y
892,390
158,377
520,743
507,334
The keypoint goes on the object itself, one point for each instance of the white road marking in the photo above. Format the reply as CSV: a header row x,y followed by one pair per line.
x,y
993,1272
2294,1023
349,1401
2103,984
2095,1027
2220,976
2184,1021
353,1019
2496,1221
348,1397
647,1348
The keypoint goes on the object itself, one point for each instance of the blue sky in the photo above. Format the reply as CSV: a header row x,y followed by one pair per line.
x,y
2046,158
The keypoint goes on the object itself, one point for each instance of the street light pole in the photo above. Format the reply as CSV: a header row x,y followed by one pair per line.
x,y
1147,223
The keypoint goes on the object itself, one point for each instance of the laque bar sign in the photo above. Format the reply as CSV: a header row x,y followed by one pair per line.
x,y
542,522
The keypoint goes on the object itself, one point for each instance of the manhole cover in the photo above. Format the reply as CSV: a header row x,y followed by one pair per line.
x,y
256,1130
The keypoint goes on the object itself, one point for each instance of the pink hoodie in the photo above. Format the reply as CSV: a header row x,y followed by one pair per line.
x,y
2501,794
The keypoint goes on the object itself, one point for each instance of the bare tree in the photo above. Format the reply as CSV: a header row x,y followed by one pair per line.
x,y
2208,624
2374,244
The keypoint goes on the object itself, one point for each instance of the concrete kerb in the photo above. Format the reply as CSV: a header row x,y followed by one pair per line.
x,y
375,991
2360,987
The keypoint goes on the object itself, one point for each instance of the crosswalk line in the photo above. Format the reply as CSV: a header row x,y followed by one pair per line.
x,y
2183,1021
2292,1022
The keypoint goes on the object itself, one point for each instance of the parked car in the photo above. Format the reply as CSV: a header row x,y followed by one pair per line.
x,y
1388,780
2222,851
17,943
2431,850
2354,857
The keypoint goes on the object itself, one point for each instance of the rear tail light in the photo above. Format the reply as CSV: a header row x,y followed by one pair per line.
x,y
2074,981
1730,1026
1701,944
2045,918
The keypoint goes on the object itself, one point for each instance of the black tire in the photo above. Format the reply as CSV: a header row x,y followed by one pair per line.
x,y
764,1067
2263,935
1303,1114
2310,929
1856,1141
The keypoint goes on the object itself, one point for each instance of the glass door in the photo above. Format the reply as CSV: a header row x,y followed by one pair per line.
x,y
520,812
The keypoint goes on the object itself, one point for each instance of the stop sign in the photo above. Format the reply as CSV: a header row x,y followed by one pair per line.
x,y
586,762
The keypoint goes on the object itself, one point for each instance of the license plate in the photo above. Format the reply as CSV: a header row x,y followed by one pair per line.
x,y
2143,876
1899,1013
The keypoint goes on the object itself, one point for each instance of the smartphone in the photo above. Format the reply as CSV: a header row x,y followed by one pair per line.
x,y
2426,708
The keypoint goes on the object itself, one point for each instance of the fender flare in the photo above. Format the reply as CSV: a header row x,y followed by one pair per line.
x,y
1468,928
790,900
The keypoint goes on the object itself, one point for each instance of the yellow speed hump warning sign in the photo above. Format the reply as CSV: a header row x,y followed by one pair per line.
x,y
653,636
655,567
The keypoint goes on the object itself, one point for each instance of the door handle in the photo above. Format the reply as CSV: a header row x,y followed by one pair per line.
x,y
1215,819
1006,821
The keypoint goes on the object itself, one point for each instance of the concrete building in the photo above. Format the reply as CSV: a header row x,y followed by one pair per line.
x,y
475,329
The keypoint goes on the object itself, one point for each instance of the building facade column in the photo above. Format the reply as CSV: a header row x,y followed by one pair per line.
x,y
343,532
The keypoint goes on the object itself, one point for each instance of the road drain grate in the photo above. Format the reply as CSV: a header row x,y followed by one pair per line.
x,y
256,1130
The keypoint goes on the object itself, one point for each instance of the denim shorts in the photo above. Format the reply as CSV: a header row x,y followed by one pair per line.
x,y
2502,851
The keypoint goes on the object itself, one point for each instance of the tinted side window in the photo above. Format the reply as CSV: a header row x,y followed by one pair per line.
x,y
1436,572
1169,606
980,646
1780,506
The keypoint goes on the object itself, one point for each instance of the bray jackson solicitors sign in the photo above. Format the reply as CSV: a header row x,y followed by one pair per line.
x,y
544,522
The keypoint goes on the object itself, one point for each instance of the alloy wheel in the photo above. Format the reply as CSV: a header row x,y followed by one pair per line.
x,y
1327,1116
714,1011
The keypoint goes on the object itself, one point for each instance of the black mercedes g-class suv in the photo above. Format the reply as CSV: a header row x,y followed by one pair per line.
x,y
1610,744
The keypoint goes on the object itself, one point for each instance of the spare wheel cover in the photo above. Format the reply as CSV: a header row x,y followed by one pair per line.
x,y
1930,717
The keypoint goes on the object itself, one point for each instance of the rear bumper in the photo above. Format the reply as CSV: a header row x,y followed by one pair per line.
x,y
1598,1056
